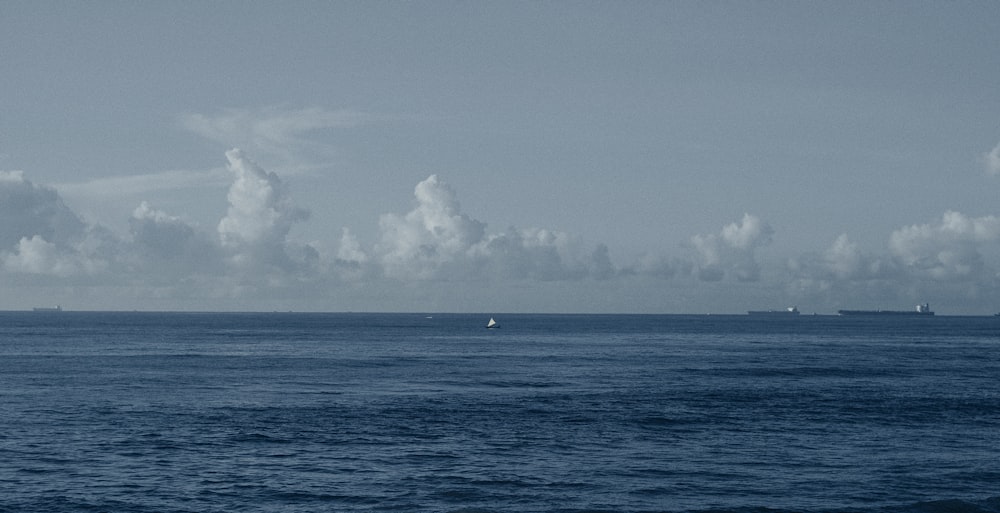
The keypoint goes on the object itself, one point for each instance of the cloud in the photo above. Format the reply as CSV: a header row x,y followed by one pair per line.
x,y
96,253
40,235
844,270
276,134
844,260
948,260
436,240
352,263
949,250
27,210
144,183
435,233
251,258
260,216
35,255
545,255
350,249
657,265
992,160
731,252
165,244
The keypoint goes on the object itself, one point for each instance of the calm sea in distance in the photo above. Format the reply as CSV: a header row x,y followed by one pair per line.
x,y
290,412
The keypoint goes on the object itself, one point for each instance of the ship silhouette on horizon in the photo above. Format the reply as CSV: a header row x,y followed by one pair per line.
x,y
924,309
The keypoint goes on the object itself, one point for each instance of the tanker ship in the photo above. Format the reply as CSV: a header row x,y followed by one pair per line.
x,y
779,313
924,309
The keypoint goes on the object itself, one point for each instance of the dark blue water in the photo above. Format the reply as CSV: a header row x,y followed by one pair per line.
x,y
151,412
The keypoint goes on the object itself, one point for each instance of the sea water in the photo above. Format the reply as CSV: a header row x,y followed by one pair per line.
x,y
287,412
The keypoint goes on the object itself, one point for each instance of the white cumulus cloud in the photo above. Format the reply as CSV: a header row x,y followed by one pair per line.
x,y
434,233
35,255
845,260
948,250
731,252
350,249
352,262
842,270
536,253
260,216
952,260
992,160
436,240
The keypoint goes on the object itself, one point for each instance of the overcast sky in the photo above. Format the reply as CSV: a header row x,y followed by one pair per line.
x,y
660,157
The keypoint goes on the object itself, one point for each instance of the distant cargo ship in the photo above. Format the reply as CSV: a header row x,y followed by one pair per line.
x,y
56,308
782,313
924,309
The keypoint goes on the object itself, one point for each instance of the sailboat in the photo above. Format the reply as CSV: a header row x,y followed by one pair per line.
x,y
492,324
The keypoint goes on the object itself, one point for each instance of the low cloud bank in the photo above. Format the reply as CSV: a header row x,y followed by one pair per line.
x,y
948,250
252,254
954,260
40,235
951,250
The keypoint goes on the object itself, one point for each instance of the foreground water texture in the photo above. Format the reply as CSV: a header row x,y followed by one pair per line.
x,y
153,412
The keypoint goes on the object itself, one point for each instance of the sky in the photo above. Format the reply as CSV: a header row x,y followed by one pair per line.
x,y
618,157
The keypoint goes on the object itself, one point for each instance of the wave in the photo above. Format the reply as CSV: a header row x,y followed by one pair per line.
x,y
988,505
325,501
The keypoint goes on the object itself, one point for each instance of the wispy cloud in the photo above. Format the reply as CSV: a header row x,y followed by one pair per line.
x,y
137,185
291,138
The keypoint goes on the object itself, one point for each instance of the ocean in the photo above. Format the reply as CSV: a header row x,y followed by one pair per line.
x,y
298,412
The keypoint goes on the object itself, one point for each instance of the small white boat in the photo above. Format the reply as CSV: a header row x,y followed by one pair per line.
x,y
492,324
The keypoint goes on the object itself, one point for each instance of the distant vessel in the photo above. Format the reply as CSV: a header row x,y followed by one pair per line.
x,y
779,313
57,308
924,309
492,324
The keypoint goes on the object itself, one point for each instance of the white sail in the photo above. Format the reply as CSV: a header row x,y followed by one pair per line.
x,y
492,323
